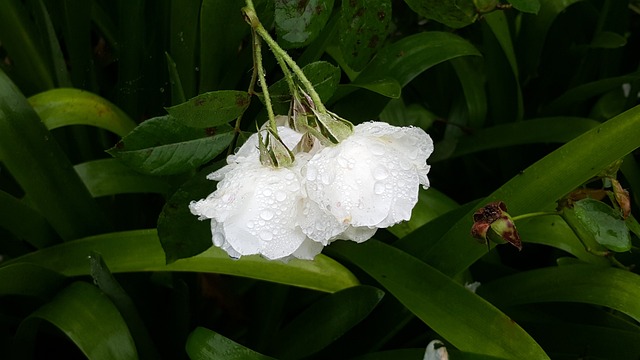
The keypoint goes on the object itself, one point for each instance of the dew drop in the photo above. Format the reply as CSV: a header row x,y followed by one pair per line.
x,y
378,188
266,235
281,196
267,192
377,149
380,173
266,215
250,224
312,173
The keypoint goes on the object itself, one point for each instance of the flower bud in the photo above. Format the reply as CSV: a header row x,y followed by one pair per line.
x,y
492,222
273,152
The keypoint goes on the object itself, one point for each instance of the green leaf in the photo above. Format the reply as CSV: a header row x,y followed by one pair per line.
x,y
527,6
398,114
211,109
108,177
585,92
106,282
183,42
88,318
534,34
533,131
603,223
363,30
455,313
57,58
539,186
299,23
603,286
218,48
608,40
455,14
31,66
204,344
388,87
140,250
29,280
25,222
177,91
402,61
63,107
164,146
181,234
39,165
409,57
325,321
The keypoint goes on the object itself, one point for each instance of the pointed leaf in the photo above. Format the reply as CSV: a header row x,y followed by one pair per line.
x,y
528,6
29,280
163,146
211,109
140,250
87,317
455,313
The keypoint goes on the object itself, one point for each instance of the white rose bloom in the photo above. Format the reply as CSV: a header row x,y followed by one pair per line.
x,y
371,179
255,208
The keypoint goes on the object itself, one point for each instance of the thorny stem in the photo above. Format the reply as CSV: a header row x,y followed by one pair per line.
x,y
282,57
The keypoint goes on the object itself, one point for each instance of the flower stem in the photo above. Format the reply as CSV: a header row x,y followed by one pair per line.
x,y
263,81
534,214
282,57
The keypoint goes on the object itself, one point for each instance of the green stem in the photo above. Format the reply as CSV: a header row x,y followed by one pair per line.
x,y
282,57
263,82
534,214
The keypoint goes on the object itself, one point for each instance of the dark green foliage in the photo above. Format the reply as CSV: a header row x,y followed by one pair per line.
x,y
113,113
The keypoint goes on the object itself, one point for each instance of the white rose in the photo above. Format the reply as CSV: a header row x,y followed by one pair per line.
x,y
255,208
371,179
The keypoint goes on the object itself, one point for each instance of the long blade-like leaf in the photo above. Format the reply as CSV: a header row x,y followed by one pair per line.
x,y
455,313
140,250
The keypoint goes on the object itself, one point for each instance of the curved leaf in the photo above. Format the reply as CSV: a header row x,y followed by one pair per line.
x,y
604,286
88,318
164,146
139,250
25,222
455,14
543,130
459,316
325,321
29,280
204,344
39,165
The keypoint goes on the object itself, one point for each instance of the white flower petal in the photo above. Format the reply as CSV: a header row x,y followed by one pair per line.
x,y
370,179
308,250
318,225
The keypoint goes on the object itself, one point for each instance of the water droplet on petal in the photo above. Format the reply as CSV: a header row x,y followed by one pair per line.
x,y
281,196
266,235
250,224
377,149
378,188
311,173
266,214
266,192
380,173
